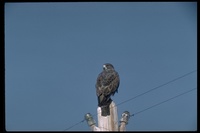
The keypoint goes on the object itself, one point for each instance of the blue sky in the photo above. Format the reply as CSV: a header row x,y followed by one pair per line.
x,y
55,51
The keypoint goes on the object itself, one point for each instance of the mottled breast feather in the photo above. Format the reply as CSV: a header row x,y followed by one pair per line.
x,y
107,83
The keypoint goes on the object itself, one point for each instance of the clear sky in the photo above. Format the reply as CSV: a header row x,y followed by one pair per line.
x,y
55,51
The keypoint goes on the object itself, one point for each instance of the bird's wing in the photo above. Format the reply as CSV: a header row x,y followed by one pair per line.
x,y
99,86
115,83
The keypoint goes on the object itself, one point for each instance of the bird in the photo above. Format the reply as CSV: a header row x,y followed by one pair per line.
x,y
107,85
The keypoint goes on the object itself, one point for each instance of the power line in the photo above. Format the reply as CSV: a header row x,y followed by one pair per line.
x,y
75,124
145,93
163,101
157,87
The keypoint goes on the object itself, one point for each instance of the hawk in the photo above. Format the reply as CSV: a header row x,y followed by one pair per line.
x,y
106,86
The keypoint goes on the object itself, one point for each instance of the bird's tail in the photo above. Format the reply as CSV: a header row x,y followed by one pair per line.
x,y
105,107
100,100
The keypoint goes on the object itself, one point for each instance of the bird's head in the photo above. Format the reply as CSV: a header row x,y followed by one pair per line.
x,y
108,66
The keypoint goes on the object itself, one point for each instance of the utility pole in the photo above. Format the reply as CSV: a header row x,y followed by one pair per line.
x,y
109,122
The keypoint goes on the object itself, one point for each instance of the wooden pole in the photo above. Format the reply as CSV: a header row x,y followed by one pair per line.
x,y
110,122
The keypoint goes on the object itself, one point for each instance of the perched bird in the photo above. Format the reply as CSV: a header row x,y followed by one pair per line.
x,y
106,85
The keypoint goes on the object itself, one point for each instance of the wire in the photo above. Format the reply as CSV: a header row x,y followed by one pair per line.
x,y
145,93
157,87
74,125
163,101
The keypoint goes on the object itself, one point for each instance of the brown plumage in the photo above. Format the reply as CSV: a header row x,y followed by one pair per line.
x,y
107,84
